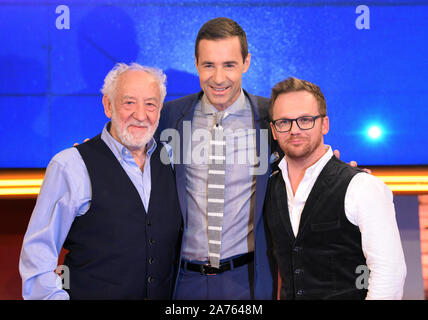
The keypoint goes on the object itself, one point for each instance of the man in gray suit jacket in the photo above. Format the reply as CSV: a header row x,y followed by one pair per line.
x,y
234,265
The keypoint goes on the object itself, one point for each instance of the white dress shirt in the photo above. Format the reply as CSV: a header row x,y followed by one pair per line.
x,y
368,205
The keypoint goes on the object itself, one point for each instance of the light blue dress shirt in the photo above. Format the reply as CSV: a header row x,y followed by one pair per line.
x,y
65,194
239,193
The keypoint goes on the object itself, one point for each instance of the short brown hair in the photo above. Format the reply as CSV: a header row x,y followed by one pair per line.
x,y
292,84
222,28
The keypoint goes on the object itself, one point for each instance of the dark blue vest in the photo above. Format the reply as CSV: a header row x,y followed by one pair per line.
x,y
321,262
116,249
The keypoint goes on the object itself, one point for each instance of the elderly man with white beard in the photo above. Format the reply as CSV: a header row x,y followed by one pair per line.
x,y
106,201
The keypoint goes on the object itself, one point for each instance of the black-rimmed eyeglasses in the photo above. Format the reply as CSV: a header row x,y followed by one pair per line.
x,y
304,123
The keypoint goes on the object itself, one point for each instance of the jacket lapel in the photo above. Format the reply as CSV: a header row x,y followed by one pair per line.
x,y
184,129
280,194
262,145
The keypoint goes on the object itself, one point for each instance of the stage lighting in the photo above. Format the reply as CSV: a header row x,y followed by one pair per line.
x,y
374,132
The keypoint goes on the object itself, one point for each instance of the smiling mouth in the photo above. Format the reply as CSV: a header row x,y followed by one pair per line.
x,y
219,89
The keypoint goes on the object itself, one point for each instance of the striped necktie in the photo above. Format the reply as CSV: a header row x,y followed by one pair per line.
x,y
216,173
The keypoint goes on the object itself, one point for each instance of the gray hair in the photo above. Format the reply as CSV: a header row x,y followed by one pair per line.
x,y
110,80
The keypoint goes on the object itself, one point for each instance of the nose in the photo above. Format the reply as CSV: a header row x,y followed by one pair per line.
x,y
140,112
219,76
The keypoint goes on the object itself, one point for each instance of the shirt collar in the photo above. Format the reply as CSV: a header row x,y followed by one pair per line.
x,y
313,170
235,108
118,149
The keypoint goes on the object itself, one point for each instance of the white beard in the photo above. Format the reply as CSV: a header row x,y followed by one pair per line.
x,y
127,138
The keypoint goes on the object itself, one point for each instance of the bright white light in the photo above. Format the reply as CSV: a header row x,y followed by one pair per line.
x,y
374,132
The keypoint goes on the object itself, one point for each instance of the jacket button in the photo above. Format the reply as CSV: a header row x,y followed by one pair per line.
x,y
299,292
150,279
151,241
151,260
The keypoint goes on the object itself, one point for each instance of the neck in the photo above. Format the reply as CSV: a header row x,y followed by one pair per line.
x,y
297,166
139,155
220,107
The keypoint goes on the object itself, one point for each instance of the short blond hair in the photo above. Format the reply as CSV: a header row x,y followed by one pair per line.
x,y
292,84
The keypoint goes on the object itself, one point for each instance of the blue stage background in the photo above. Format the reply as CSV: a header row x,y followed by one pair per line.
x,y
50,78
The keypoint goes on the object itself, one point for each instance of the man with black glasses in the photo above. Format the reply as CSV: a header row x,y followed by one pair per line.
x,y
331,228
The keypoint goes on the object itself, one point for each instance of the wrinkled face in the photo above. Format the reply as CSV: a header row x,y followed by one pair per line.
x,y
298,143
220,66
134,109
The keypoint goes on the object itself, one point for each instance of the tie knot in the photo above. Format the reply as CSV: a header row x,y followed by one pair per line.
x,y
218,118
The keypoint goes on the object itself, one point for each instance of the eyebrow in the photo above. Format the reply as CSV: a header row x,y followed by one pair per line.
x,y
152,99
301,116
134,98
128,97
225,62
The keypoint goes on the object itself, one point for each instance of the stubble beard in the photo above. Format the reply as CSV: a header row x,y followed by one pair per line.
x,y
302,152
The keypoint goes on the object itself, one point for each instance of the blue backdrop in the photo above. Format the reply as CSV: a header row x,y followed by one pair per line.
x,y
50,78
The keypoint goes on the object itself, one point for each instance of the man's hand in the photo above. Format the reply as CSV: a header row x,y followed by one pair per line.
x,y
76,144
352,163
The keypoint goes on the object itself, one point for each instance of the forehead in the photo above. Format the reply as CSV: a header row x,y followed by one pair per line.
x,y
295,104
137,82
220,50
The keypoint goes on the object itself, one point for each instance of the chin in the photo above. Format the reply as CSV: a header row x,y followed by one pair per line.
x,y
136,141
296,154
219,99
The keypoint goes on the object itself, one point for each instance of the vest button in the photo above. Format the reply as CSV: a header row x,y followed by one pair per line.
x,y
298,271
299,292
149,223
150,279
297,249
151,241
151,260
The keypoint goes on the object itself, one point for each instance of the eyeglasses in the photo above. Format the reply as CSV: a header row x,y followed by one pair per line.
x,y
304,123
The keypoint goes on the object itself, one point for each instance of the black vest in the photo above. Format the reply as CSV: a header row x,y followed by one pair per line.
x,y
116,249
321,262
